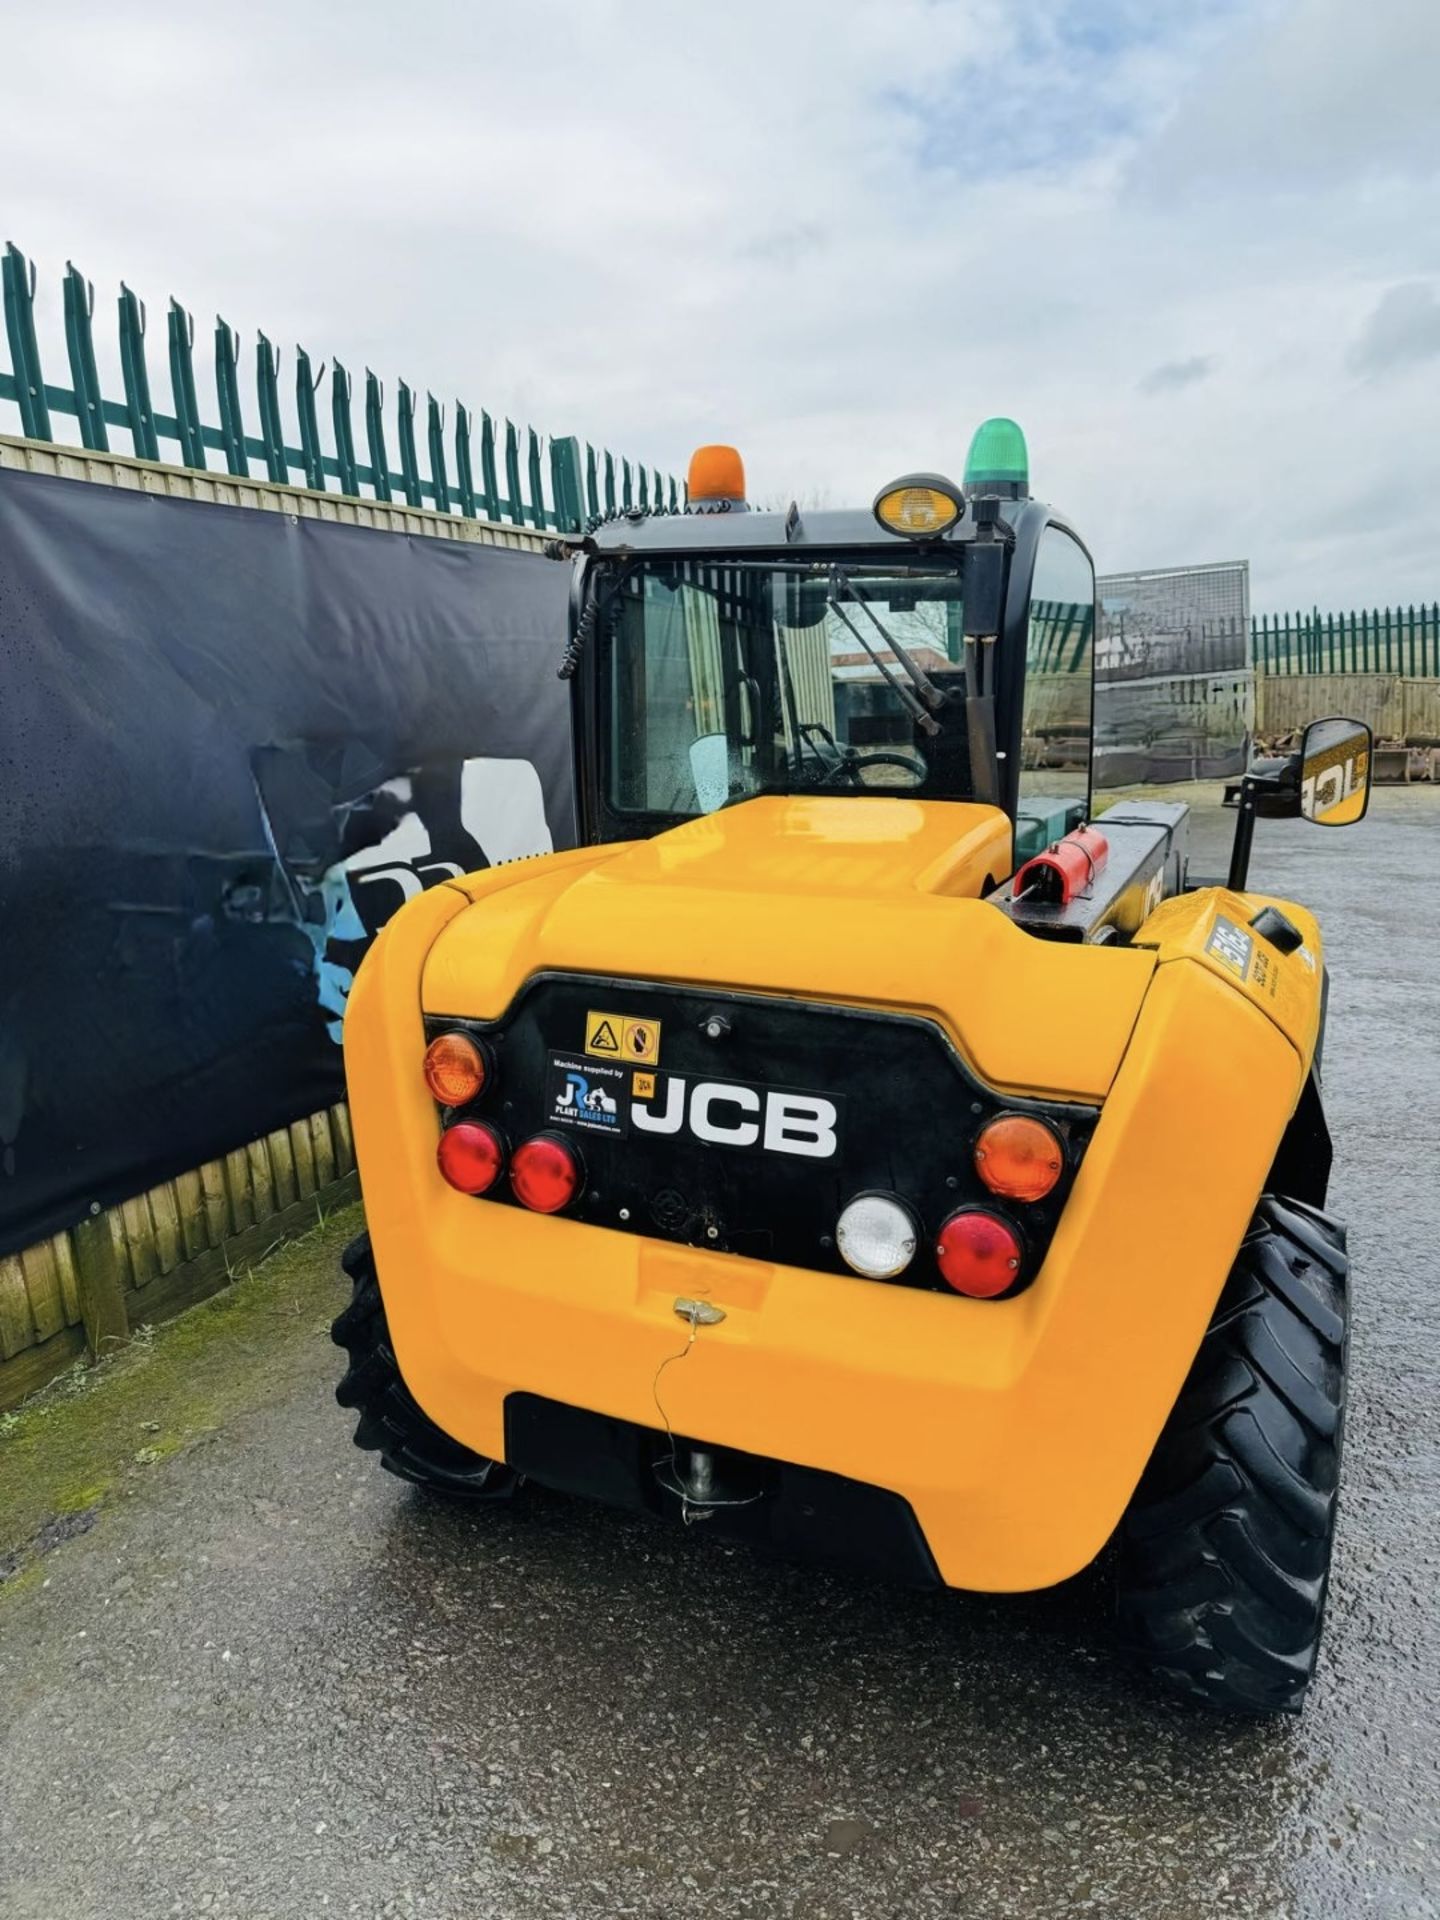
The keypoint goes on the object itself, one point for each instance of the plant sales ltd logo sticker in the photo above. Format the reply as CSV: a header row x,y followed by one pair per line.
x,y
587,1094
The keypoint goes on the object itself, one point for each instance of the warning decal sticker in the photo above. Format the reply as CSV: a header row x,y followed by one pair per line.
x,y
1232,946
612,1037
641,1043
602,1033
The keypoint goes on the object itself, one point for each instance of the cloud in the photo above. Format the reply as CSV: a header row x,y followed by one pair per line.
x,y
836,232
1171,375
1403,330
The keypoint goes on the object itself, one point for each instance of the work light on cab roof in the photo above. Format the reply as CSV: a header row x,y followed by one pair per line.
x,y
922,506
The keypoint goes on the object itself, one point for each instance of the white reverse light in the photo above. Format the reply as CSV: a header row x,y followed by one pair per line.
x,y
876,1236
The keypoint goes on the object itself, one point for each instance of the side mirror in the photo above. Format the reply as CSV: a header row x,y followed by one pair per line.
x,y
1335,772
710,770
1327,781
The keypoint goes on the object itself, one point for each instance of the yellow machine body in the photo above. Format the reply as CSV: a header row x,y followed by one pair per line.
x,y
1015,1429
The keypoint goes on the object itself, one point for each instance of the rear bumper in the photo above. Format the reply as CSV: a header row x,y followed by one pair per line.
x,y
766,1503
1013,1431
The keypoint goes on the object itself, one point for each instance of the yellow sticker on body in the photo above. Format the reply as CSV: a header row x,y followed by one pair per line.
x,y
642,1041
603,1032
643,1086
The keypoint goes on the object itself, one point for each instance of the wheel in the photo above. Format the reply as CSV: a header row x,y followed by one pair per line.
x,y
1225,1549
391,1422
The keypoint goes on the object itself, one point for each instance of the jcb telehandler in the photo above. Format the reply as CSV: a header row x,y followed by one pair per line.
x,y
856,1143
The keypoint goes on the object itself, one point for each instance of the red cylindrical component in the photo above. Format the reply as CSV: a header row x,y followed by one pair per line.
x,y
470,1156
545,1173
978,1253
1065,869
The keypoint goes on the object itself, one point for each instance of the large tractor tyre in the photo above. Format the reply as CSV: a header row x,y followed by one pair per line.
x,y
391,1422
1225,1550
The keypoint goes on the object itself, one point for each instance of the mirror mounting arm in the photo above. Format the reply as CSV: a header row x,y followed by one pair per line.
x,y
1273,791
1244,837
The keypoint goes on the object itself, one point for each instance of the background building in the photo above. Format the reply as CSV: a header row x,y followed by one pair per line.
x,y
1175,692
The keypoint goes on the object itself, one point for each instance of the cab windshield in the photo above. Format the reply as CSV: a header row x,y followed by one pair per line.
x,y
730,678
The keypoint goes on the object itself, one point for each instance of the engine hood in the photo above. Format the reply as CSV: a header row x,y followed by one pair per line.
x,y
867,901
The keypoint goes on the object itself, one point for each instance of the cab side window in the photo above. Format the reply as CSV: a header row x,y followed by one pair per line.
x,y
1059,671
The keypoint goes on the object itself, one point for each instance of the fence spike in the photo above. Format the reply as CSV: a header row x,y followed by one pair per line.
x,y
515,508
227,392
537,491
592,482
80,342
435,435
643,501
341,389
143,439
182,387
272,431
306,384
488,476
409,459
627,495
610,502
375,435
464,472
19,280
674,497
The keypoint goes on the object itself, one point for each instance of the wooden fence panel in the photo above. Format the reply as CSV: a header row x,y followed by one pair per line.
x,y
164,1250
1392,707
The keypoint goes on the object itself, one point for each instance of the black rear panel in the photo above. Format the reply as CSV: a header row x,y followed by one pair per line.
x,y
788,1509
821,1103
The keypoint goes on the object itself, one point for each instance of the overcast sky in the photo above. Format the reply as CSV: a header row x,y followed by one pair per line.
x,y
1194,248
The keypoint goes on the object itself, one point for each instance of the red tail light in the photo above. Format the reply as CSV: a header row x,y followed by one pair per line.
x,y
978,1254
546,1173
471,1156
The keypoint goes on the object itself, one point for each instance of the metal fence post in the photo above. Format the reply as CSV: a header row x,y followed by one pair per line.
x,y
409,459
143,437
340,392
272,432
227,390
375,435
19,280
79,311
182,386
435,436
306,384
464,472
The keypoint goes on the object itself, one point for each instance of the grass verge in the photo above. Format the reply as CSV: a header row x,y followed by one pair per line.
x,y
92,1434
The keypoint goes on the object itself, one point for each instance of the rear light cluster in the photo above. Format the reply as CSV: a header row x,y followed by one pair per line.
x,y
978,1251
546,1173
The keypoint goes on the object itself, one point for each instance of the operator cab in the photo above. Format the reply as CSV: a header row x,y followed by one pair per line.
x,y
938,647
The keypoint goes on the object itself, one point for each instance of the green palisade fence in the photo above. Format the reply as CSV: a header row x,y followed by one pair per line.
x,y
573,493
1398,640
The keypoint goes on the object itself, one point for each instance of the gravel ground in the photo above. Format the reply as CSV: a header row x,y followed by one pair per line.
x,y
270,1681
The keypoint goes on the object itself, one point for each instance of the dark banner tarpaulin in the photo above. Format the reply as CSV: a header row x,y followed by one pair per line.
x,y
232,742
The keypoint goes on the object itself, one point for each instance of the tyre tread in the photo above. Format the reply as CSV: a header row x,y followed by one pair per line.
x,y
391,1421
1225,1550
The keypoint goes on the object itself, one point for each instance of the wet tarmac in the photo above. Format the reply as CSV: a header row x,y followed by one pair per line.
x,y
274,1682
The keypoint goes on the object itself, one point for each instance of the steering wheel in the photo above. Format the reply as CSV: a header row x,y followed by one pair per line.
x,y
853,764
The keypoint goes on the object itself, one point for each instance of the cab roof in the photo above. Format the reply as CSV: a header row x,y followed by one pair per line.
x,y
638,531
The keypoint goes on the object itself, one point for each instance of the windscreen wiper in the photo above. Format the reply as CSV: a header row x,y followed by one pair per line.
x,y
840,582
